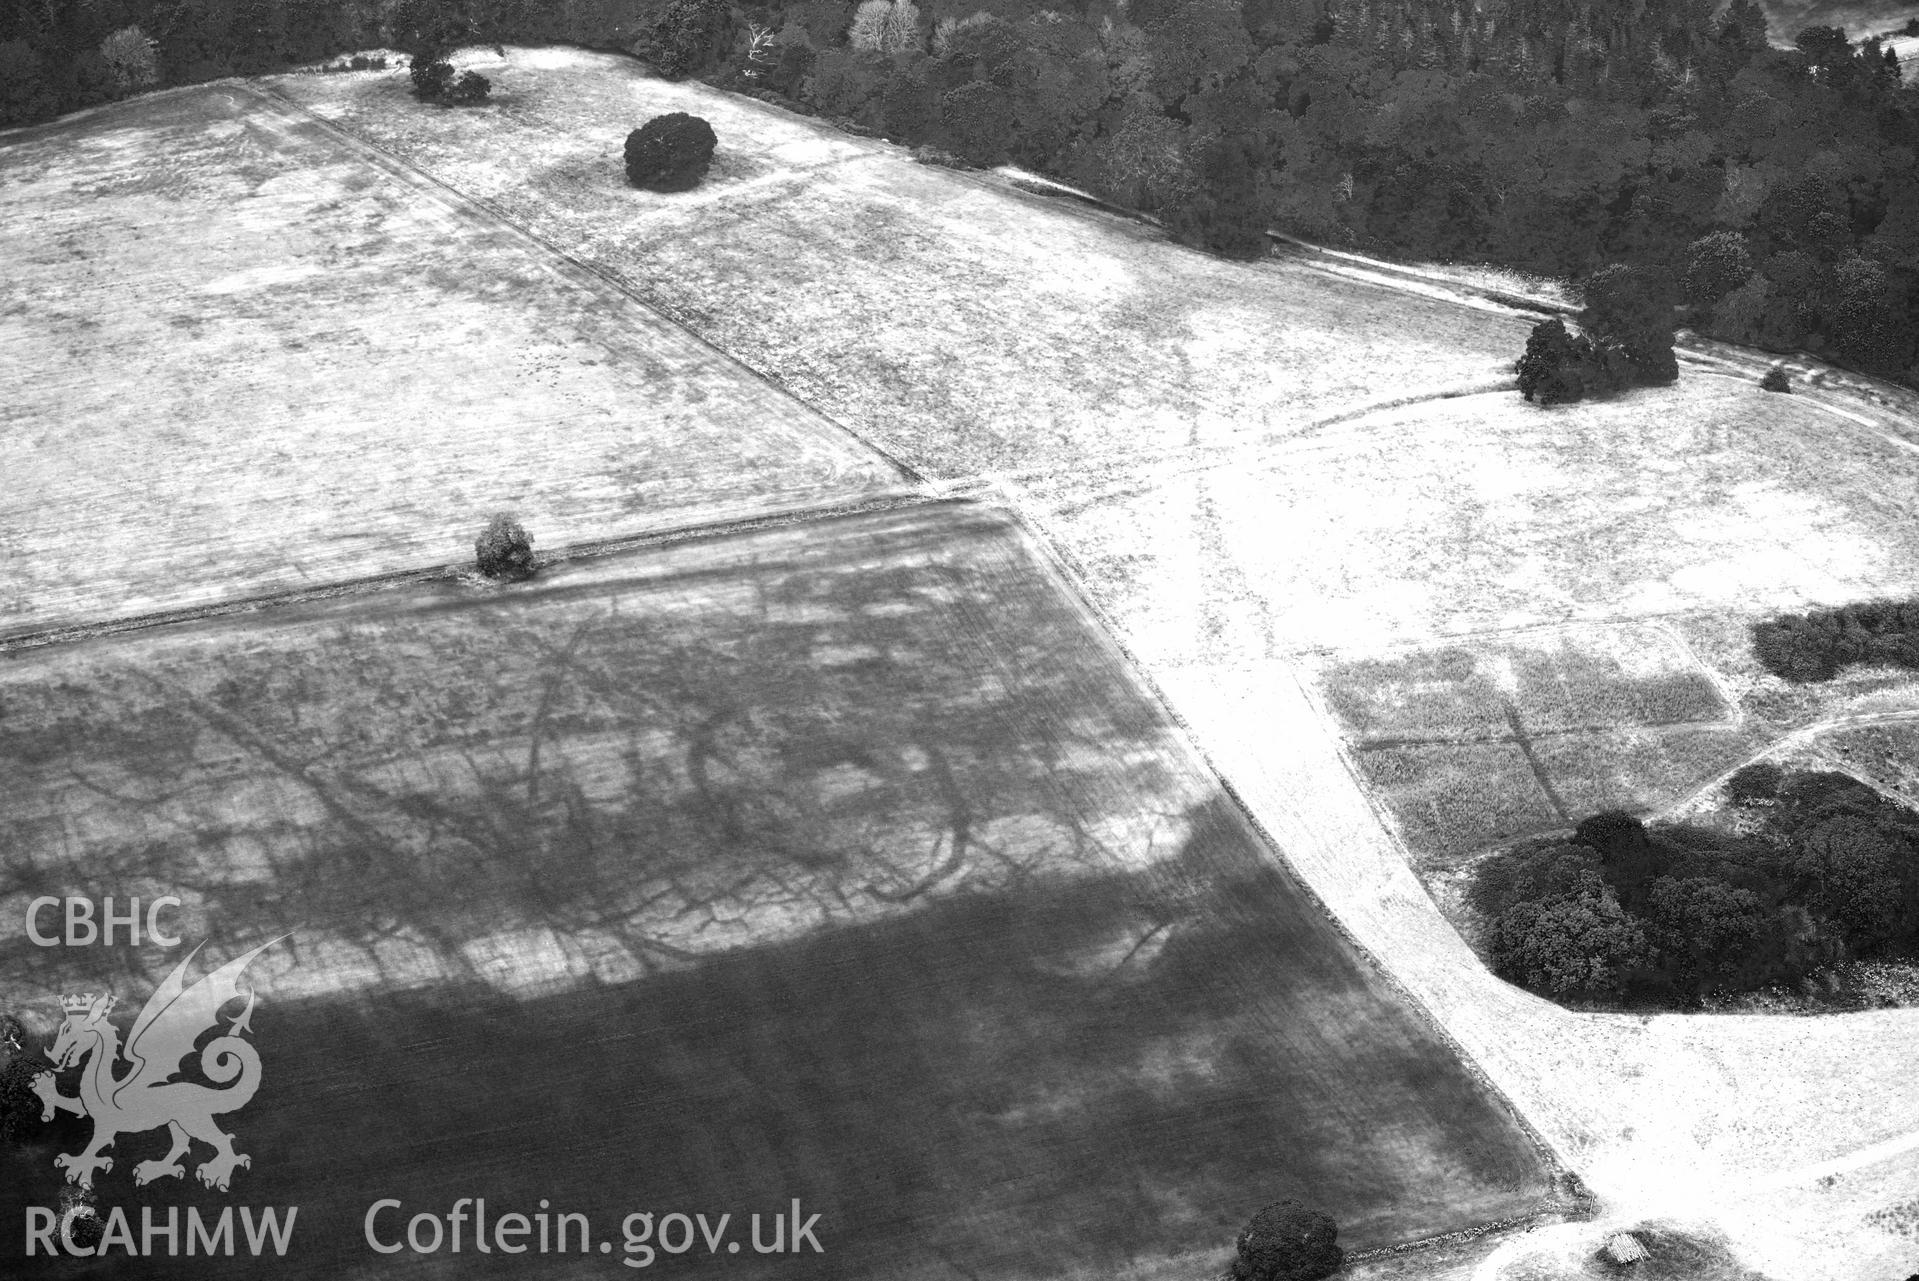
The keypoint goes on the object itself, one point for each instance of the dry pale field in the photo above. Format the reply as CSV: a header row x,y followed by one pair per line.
x,y
238,355
970,326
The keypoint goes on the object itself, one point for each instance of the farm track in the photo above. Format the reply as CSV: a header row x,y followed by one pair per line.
x,y
20,642
1809,737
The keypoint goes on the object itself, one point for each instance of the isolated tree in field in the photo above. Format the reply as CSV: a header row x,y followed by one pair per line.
x,y
670,152
1287,1241
504,549
1776,379
432,80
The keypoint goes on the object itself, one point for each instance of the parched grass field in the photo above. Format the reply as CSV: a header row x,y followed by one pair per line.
x,y
1484,513
1449,800
970,327
842,862
1489,737
1553,680
239,355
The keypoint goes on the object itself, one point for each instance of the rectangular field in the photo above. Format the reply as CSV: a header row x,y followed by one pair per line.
x,y
843,863
1638,770
1453,799
1545,681
239,354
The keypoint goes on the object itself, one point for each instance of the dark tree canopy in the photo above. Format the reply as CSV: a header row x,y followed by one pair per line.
x,y
504,549
1614,833
1633,307
1553,369
1552,871
1716,265
1227,217
1825,868
1580,945
670,152
1756,782
428,31
1815,646
1287,1241
690,37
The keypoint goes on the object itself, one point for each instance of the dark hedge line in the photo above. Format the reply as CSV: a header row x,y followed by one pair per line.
x,y
1778,186
1670,913
1815,646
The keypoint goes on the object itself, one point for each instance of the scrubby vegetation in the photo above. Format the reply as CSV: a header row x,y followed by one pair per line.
x,y
670,152
1286,1241
1815,646
1776,379
1828,871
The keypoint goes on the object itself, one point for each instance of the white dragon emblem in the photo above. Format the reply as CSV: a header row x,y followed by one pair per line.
x,y
145,1097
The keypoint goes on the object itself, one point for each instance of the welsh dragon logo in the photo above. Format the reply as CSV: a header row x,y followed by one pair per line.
x,y
145,1097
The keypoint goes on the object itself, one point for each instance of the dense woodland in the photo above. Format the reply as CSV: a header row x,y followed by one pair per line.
x,y
1549,135
1824,869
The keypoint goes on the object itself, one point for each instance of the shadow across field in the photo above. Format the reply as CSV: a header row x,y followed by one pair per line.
x,y
1092,1071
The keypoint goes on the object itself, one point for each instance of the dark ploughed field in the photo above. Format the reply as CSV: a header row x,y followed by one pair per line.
x,y
841,862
